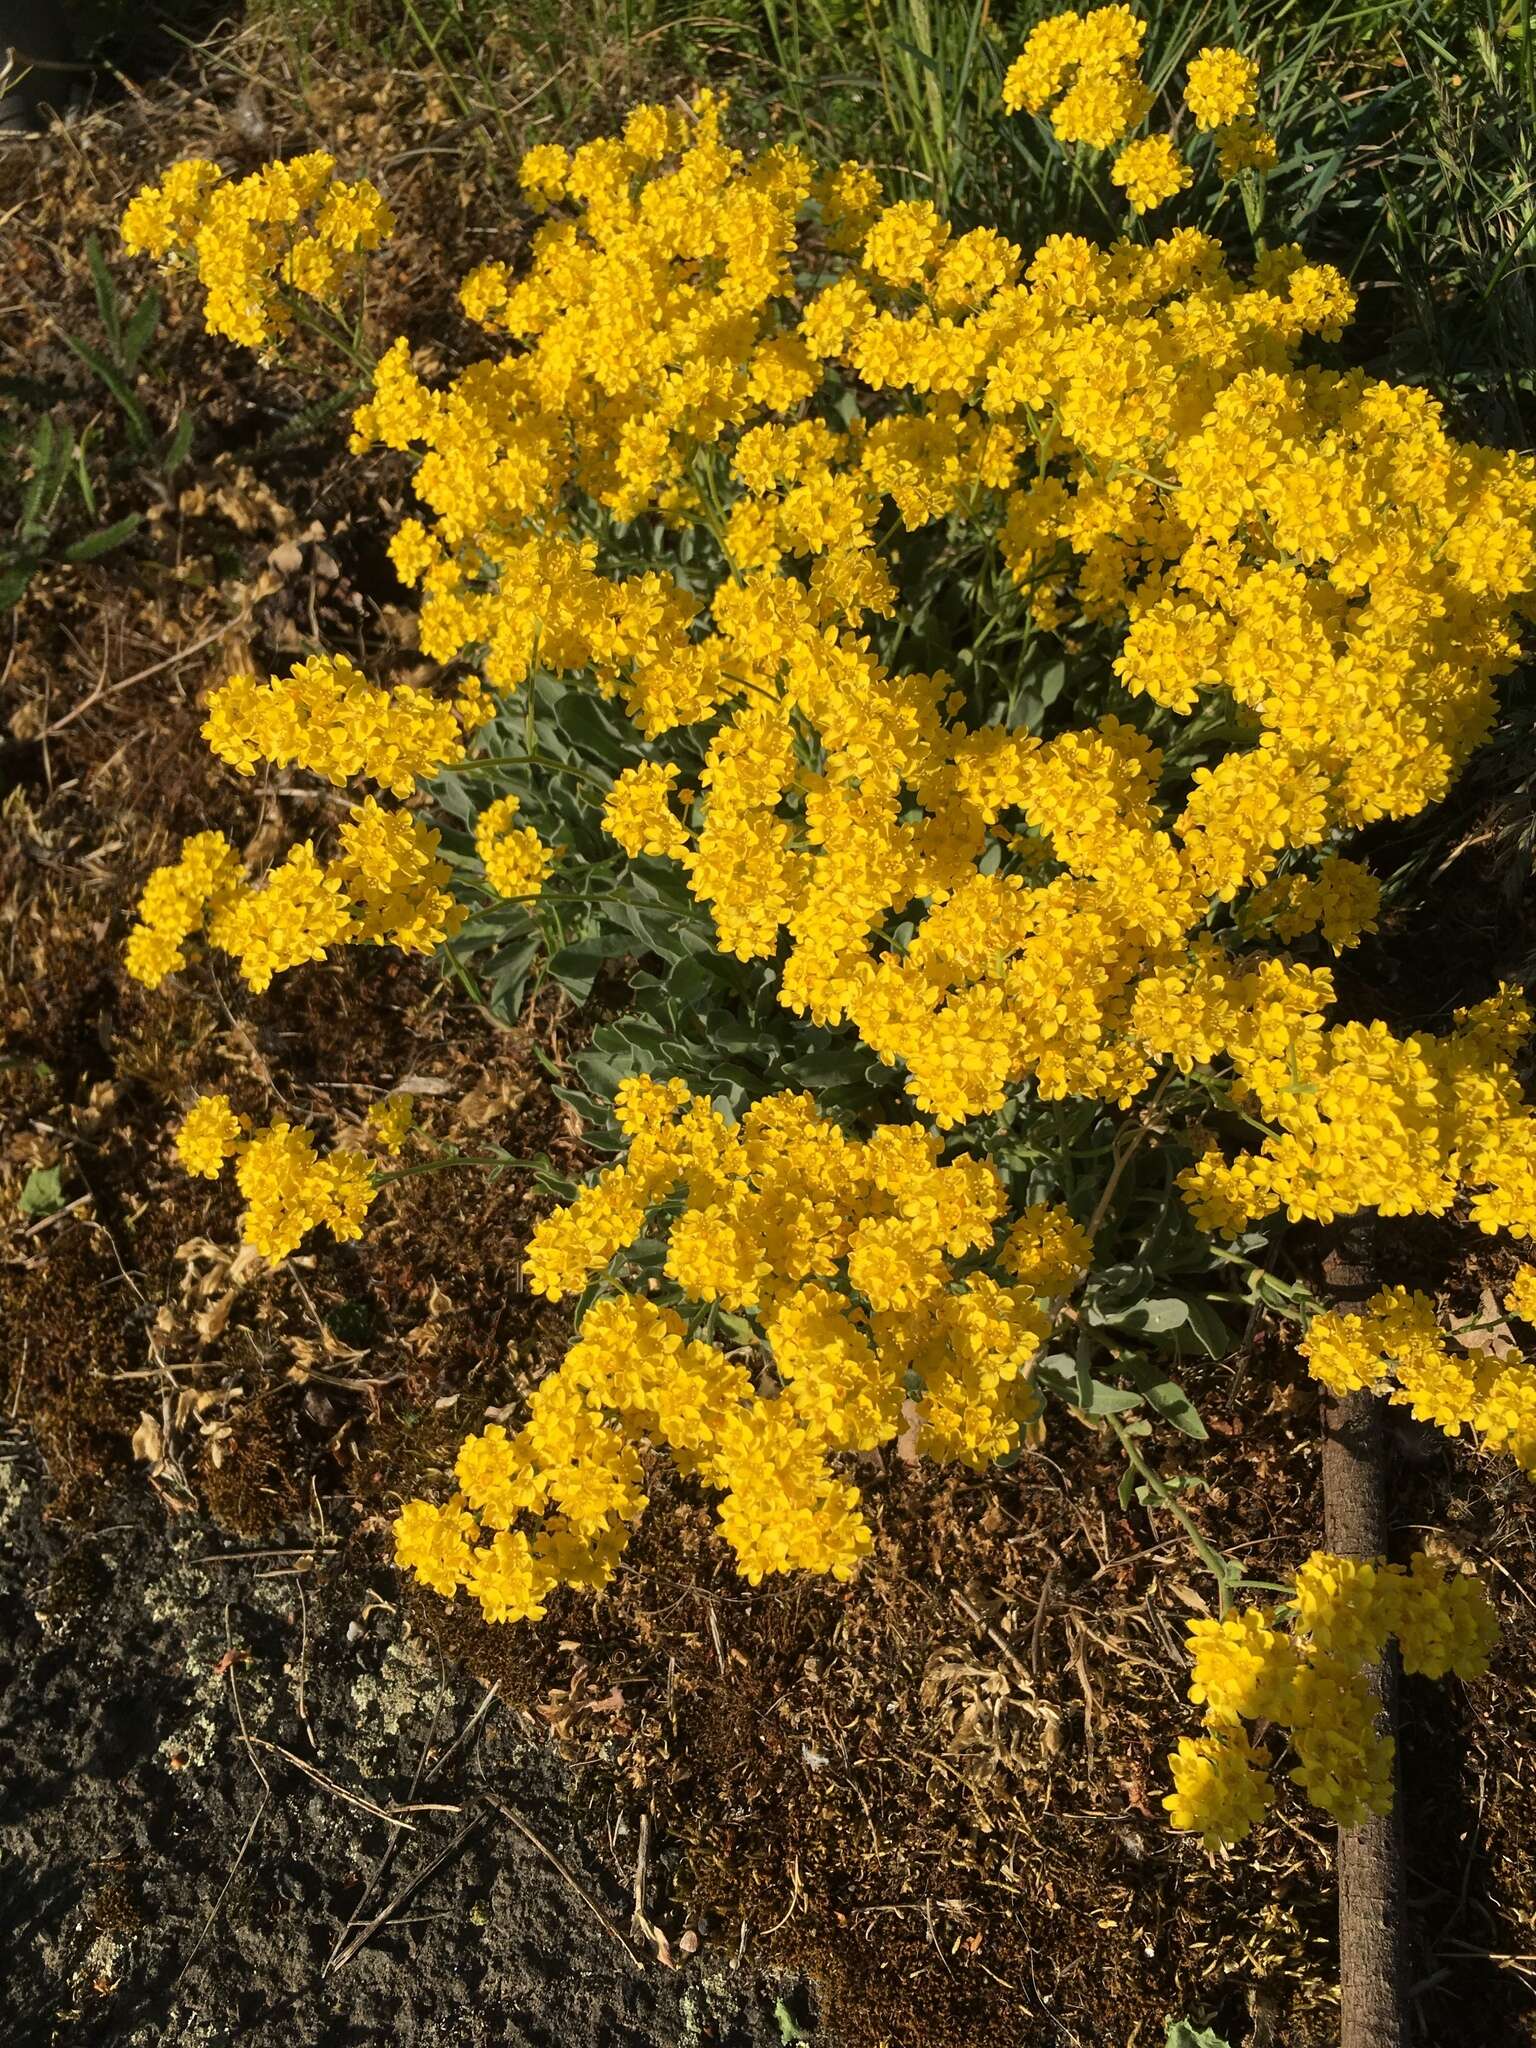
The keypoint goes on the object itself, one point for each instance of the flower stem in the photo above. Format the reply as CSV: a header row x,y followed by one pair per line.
x,y
1220,1568
446,1161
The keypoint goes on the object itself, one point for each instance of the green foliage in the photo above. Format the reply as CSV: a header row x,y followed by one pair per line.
x,y
1184,2034
63,474
42,1192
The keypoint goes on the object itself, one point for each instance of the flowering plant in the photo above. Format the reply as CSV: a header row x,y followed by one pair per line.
x,y
957,673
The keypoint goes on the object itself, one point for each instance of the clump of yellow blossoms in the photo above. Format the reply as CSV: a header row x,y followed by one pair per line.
x,y
1521,1298
771,369
1080,70
391,1121
289,1190
516,860
384,887
1220,87
326,716
175,901
863,1268
1309,1681
1150,171
1396,1346
1083,68
289,227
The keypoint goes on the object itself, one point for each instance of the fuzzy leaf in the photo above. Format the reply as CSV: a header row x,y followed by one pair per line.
x,y
43,1192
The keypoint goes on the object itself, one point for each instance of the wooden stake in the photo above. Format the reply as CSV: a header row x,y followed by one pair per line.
x,y
1372,1921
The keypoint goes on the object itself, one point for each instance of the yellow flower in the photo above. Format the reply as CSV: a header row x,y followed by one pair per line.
x,y
209,1136
1221,86
288,1189
638,811
245,241
1150,171
1520,1298
1221,1787
1244,145
516,860
391,1119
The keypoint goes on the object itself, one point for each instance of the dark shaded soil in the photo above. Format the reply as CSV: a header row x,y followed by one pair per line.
x,y
921,1810
171,1868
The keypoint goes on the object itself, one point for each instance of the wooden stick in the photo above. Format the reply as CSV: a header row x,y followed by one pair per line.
x,y
1372,1917
603,1919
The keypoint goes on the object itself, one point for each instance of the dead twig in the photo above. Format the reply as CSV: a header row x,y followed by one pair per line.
x,y
213,1910
461,1738
105,690
995,1636
394,1817
406,1893
381,1870
641,1925
602,1918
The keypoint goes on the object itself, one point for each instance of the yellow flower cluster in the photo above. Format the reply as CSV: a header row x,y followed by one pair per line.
x,y
175,901
784,370
1396,1345
1133,425
1521,1298
291,227
1081,70
638,811
515,858
1309,1681
1150,171
391,1120
1220,87
384,887
845,1255
326,716
289,1190
1359,1119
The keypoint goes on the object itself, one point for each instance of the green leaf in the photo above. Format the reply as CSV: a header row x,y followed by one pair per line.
x,y
1150,1318
594,735
576,966
1059,1375
508,980
178,444
133,413
43,1192
1208,1329
52,450
689,982
139,332
1167,1397
83,476
14,578
103,540
41,449
1184,2034
822,1069
106,294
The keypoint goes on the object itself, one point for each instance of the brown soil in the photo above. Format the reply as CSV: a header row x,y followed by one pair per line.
x,y
921,1809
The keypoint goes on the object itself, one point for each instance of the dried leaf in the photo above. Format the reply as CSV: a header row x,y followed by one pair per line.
x,y
149,1441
